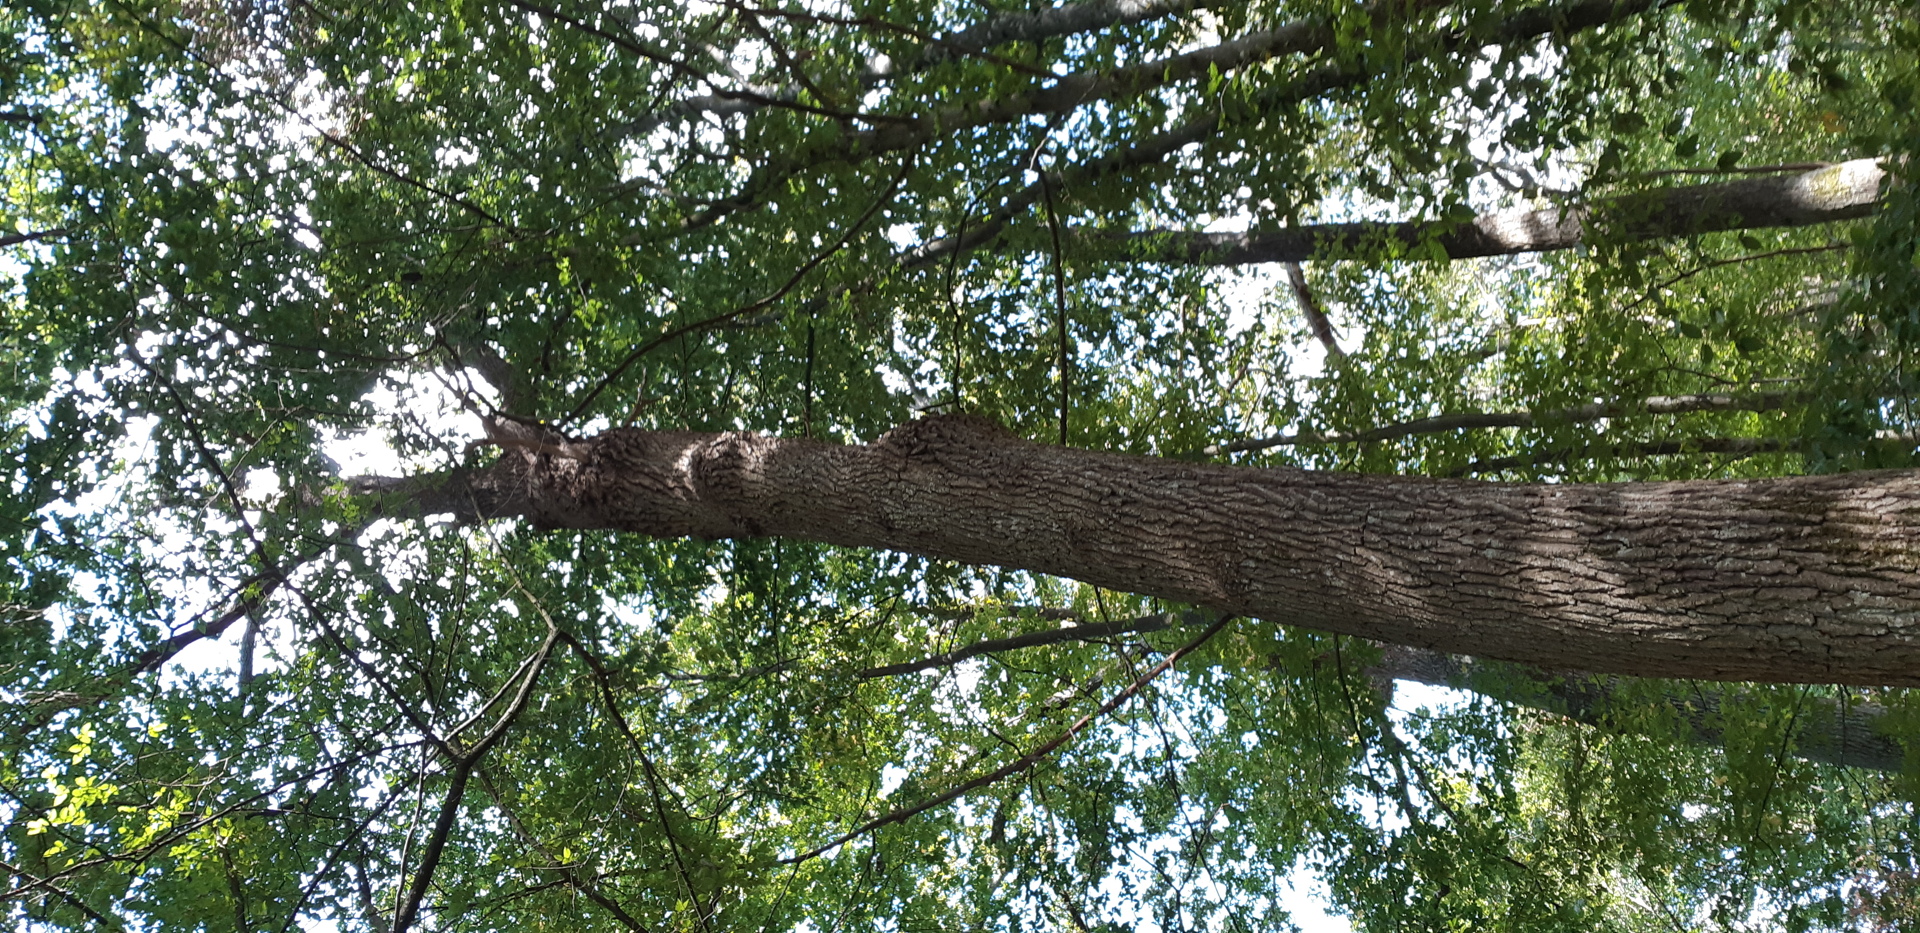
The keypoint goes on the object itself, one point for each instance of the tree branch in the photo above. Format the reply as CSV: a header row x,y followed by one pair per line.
x,y
570,873
793,281
1849,734
1317,323
73,900
14,239
1470,565
604,681
746,99
1735,446
1023,762
1210,119
1079,632
461,774
1438,424
1665,284
1846,191
999,29
1036,27
1071,92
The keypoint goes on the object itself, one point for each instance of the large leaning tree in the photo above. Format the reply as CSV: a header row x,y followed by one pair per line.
x,y
959,464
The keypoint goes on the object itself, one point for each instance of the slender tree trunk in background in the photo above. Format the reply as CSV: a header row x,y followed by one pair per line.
x,y
1801,579
1845,191
1852,735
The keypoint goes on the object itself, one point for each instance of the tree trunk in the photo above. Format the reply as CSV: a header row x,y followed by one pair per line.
x,y
1850,734
1801,579
1846,191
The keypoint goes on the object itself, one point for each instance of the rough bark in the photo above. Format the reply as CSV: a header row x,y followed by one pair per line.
x,y
1844,191
1801,579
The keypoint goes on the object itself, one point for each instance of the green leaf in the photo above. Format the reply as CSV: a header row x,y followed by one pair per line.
x,y
1626,122
509,255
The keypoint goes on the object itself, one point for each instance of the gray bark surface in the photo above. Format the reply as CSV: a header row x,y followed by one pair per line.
x,y
1852,735
1844,191
1798,579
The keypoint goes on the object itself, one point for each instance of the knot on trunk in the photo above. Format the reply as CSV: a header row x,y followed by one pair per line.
x,y
930,437
532,438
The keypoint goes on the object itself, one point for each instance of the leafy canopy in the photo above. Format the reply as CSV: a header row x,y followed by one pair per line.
x,y
240,236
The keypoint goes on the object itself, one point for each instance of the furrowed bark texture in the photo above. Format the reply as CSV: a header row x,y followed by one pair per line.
x,y
1801,579
1846,191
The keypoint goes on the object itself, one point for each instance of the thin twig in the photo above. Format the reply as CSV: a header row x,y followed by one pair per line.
x,y
1023,762
607,698
1732,260
1065,634
886,197
1654,405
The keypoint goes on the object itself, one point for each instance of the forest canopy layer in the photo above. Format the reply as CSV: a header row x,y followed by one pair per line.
x,y
959,464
